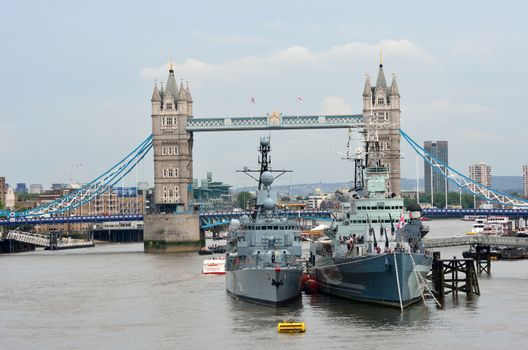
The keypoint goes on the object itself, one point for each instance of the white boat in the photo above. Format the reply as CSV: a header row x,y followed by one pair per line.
x,y
492,226
478,226
214,266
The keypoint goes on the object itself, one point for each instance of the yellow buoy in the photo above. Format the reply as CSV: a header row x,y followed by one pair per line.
x,y
291,327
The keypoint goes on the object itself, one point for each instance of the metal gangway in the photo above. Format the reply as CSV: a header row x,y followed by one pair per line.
x,y
521,242
45,240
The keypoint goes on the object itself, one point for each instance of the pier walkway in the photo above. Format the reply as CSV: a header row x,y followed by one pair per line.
x,y
468,240
46,242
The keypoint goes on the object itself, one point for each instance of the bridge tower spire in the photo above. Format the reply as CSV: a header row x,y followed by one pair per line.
x,y
381,108
172,225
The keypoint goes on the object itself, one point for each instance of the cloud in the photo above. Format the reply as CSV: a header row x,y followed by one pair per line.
x,y
447,111
233,39
335,105
292,57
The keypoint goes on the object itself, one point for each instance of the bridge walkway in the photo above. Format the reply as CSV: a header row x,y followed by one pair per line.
x,y
520,242
44,241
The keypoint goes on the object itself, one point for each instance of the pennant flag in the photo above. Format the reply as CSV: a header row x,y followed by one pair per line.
x,y
299,98
252,100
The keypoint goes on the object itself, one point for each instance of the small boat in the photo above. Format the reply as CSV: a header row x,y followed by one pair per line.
x,y
512,253
217,249
493,253
214,266
205,251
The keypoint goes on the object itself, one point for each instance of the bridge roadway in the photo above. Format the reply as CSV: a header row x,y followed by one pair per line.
x,y
456,213
520,242
207,220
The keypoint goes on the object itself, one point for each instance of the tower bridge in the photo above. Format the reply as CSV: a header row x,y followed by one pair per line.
x,y
174,224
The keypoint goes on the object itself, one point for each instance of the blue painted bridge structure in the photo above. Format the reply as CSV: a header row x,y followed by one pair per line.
x,y
207,220
458,213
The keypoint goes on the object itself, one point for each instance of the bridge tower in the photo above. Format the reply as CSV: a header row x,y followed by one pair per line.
x,y
172,224
381,108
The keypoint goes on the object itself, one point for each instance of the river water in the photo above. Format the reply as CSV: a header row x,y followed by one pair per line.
x,y
115,296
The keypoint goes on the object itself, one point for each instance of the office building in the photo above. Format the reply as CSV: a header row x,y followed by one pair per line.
x,y
525,180
434,179
35,189
21,188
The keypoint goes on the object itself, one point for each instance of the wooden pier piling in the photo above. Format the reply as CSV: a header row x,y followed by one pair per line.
x,y
451,276
483,258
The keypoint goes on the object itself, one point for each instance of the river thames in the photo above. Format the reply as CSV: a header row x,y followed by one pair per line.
x,y
115,296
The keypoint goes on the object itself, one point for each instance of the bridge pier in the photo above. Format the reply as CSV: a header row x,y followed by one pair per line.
x,y
172,233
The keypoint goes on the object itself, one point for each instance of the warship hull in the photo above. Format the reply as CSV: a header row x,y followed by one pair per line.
x,y
375,278
269,286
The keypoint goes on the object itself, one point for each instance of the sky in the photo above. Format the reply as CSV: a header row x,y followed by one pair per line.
x,y
77,77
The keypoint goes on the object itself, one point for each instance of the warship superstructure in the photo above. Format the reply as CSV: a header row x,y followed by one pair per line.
x,y
358,258
263,251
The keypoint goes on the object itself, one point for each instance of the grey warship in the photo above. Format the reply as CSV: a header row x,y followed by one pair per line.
x,y
358,259
263,251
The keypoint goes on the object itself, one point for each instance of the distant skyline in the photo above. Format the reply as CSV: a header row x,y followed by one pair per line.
x,y
77,79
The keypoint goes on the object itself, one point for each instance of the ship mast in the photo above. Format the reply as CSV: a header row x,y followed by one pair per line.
x,y
265,178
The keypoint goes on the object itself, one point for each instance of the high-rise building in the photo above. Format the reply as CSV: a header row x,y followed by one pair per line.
x,y
56,187
525,180
2,190
21,188
481,173
381,106
439,150
171,108
35,188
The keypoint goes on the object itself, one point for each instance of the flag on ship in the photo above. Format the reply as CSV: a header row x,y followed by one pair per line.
x,y
402,222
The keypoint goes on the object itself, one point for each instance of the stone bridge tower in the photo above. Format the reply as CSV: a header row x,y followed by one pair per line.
x,y
172,226
173,165
381,107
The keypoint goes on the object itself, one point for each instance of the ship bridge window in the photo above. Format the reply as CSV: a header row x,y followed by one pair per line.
x,y
275,227
282,227
348,215
257,227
